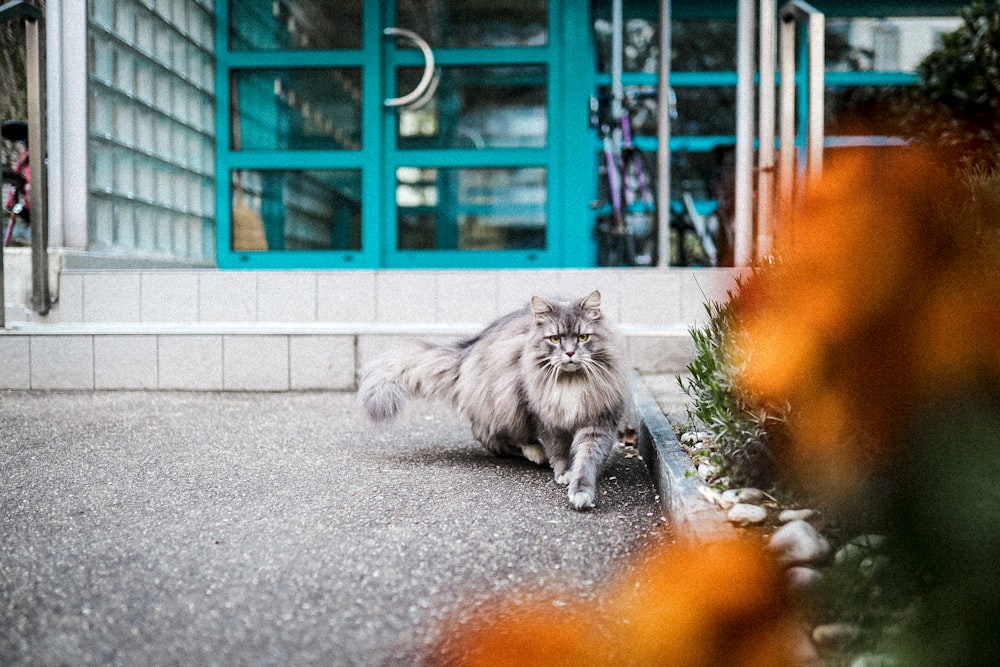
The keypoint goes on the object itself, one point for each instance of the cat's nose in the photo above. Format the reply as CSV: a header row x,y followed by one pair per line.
x,y
570,353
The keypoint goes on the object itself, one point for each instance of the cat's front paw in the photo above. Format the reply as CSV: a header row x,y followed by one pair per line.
x,y
562,478
581,500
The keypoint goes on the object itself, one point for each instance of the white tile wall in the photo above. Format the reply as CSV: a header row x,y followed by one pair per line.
x,y
112,296
239,362
515,288
69,307
345,296
650,298
373,346
170,296
405,296
466,296
62,362
227,296
578,284
227,353
321,362
125,362
15,363
255,363
697,286
286,297
190,362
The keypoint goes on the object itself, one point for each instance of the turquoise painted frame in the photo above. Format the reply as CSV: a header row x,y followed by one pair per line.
x,y
568,57
227,159
567,244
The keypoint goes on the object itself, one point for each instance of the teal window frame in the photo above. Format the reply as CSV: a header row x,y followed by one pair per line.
x,y
228,160
568,58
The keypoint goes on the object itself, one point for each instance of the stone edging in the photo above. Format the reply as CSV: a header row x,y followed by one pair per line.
x,y
673,473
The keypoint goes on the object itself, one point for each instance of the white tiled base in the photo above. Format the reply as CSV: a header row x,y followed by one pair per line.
x,y
125,362
293,361
648,297
208,330
189,362
194,362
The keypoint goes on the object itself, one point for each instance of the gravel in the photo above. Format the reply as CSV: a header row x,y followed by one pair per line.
x,y
156,528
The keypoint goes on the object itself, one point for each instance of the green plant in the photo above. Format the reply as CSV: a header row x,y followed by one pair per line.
x,y
956,106
745,432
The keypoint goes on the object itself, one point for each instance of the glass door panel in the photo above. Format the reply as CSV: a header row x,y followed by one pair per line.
x,y
469,161
329,162
476,23
298,94
296,209
296,109
470,209
502,106
266,25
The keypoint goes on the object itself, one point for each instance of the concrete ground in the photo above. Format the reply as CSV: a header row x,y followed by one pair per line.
x,y
159,528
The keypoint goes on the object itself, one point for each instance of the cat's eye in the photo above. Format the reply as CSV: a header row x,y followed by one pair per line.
x,y
583,338
555,339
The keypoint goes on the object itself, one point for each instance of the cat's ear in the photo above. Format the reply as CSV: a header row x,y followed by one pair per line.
x,y
591,305
540,307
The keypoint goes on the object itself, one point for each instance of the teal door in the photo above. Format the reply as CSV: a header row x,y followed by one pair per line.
x,y
402,134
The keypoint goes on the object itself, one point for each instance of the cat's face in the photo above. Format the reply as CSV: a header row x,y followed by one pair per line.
x,y
567,334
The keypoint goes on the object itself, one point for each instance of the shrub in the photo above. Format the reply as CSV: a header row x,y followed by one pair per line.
x,y
746,433
956,107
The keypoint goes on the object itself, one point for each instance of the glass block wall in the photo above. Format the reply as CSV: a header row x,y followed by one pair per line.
x,y
151,129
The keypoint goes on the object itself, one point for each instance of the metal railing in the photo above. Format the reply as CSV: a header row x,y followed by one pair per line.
x,y
34,30
794,14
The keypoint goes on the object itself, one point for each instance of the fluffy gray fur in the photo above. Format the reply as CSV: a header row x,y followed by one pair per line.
x,y
547,382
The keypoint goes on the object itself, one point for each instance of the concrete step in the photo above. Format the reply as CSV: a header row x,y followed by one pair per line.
x,y
241,357
211,330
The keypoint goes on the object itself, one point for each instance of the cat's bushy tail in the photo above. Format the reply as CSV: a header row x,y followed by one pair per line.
x,y
429,370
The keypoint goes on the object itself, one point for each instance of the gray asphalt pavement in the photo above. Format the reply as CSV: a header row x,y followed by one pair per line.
x,y
274,529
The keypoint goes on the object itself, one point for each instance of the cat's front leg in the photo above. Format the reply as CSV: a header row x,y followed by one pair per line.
x,y
560,471
557,450
590,449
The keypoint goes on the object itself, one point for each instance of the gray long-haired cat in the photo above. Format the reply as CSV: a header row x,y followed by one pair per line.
x,y
547,382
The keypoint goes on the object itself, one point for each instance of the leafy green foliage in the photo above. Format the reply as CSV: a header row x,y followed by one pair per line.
x,y
746,434
956,108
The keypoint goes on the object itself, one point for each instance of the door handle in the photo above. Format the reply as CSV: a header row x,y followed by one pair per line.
x,y
426,78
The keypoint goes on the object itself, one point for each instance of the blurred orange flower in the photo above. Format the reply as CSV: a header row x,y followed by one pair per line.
x,y
879,303
689,605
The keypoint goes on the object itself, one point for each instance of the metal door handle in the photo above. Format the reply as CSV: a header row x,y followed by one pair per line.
x,y
428,76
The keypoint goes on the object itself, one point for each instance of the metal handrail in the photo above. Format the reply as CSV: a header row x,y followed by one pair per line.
x,y
792,14
765,128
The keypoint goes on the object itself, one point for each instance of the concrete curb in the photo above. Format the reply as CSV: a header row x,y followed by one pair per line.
x,y
673,474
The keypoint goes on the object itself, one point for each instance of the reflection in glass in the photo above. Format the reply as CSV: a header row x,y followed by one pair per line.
x,y
476,23
470,209
296,209
477,107
264,25
865,110
883,44
291,109
641,49
709,110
